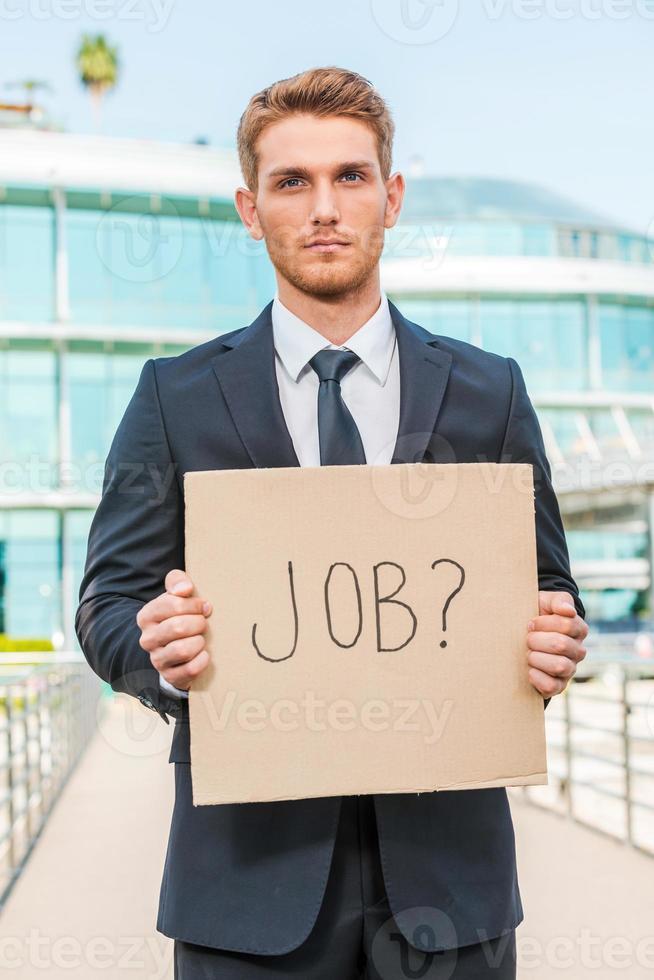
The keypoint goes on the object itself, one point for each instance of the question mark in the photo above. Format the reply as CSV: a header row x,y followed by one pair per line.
x,y
449,561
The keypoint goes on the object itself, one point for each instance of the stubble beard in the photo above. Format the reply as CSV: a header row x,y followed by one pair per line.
x,y
326,277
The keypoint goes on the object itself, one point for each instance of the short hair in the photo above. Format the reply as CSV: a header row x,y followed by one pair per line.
x,y
328,91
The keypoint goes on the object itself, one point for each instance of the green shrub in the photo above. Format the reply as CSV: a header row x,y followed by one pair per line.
x,y
22,644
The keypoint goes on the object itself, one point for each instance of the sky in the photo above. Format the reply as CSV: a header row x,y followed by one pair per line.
x,y
555,92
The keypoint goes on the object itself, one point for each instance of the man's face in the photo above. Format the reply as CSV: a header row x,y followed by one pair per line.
x,y
319,179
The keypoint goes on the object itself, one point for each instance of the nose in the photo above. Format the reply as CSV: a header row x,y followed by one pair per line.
x,y
324,208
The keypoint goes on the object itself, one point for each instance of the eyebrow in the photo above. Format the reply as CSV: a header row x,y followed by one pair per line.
x,y
291,171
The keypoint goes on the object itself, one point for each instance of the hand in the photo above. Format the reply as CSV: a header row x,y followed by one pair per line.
x,y
555,646
172,627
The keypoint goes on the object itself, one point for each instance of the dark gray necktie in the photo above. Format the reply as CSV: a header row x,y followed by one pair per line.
x,y
340,441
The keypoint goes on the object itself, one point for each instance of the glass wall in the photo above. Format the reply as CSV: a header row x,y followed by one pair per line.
x,y
607,544
166,270
548,338
453,318
163,270
100,386
76,533
26,263
627,344
33,547
29,549
411,239
28,420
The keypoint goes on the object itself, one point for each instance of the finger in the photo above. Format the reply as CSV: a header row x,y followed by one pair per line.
x,y
553,643
555,623
183,675
177,652
175,628
544,684
178,582
166,605
557,602
552,664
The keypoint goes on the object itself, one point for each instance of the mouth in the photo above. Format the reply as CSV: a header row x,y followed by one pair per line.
x,y
327,246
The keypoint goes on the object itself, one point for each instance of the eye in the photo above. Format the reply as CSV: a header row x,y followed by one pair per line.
x,y
350,173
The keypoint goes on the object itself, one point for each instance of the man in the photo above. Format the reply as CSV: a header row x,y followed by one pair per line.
x,y
329,372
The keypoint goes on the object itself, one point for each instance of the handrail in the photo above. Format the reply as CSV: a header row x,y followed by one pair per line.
x,y
581,748
48,704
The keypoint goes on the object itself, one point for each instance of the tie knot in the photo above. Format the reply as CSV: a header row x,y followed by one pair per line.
x,y
333,365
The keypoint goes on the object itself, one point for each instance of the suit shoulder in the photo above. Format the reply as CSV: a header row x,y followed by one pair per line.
x,y
195,357
468,357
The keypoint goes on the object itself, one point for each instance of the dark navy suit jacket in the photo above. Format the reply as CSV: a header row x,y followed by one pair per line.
x,y
251,877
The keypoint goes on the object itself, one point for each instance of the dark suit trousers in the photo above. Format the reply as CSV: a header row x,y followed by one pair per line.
x,y
355,936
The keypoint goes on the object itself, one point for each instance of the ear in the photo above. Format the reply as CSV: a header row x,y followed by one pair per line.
x,y
245,203
395,187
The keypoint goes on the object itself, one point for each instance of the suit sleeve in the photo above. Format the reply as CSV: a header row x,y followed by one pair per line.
x,y
175,692
135,538
523,443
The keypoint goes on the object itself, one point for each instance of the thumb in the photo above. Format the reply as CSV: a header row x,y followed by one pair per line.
x,y
178,583
560,603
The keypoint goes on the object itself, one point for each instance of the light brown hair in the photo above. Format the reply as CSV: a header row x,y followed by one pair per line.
x,y
328,91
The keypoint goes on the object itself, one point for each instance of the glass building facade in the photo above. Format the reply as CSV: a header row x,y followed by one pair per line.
x,y
95,278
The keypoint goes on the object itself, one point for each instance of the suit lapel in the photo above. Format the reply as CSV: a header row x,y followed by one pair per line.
x,y
246,375
424,373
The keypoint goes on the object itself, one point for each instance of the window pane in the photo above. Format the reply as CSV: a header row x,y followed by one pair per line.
x,y
28,420
627,340
31,600
100,387
546,338
164,270
26,263
453,318
77,524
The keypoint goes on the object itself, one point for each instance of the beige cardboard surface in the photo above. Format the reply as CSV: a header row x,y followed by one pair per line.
x,y
368,633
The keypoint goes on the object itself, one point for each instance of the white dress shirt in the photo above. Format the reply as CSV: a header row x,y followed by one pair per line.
x,y
371,389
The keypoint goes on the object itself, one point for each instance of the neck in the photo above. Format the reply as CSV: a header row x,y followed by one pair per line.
x,y
336,318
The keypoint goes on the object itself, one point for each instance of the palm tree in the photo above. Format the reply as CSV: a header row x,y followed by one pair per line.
x,y
29,109
97,64
29,87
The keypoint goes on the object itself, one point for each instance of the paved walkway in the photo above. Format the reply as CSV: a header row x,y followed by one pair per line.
x,y
85,906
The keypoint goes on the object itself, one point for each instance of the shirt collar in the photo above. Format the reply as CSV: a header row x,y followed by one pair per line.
x,y
296,341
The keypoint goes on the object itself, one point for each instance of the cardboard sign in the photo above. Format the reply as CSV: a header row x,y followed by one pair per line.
x,y
368,632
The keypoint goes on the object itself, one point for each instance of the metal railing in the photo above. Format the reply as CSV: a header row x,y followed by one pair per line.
x,y
48,705
600,748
